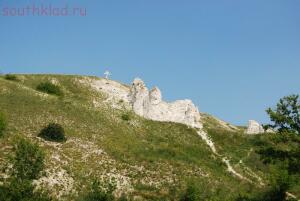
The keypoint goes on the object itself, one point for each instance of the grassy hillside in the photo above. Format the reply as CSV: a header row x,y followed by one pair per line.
x,y
148,160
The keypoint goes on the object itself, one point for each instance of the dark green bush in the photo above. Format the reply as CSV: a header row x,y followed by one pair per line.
x,y
11,77
49,88
2,124
53,132
125,116
28,161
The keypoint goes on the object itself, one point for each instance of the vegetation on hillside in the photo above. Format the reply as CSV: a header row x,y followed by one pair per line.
x,y
281,152
150,160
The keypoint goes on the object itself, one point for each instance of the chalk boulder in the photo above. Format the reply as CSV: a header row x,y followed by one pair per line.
x,y
254,127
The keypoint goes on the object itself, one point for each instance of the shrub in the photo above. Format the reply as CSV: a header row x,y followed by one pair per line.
x,y
49,88
28,161
22,190
125,116
97,192
2,124
11,77
53,132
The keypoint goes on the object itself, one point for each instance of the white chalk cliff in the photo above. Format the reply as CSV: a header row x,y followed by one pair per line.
x,y
254,127
149,104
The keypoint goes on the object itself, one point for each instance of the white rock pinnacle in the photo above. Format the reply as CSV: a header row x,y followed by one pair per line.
x,y
150,105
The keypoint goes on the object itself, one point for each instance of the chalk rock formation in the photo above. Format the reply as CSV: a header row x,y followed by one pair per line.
x,y
150,105
254,127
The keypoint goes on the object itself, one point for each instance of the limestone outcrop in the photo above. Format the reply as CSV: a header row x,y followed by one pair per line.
x,y
254,128
150,105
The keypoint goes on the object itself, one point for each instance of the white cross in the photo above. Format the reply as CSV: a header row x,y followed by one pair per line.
x,y
107,74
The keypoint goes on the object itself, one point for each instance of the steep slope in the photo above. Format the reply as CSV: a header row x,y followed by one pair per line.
x,y
147,159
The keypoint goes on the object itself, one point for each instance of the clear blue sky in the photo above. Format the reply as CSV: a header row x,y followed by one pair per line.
x,y
232,58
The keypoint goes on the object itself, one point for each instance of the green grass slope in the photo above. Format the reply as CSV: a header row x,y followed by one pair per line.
x,y
148,160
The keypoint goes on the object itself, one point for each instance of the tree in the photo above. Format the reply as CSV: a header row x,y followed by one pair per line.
x,y
286,116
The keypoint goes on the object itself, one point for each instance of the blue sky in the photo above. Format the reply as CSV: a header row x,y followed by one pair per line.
x,y
232,58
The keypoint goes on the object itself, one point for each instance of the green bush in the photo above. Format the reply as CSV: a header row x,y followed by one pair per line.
x,y
2,124
53,132
28,161
49,88
11,77
125,116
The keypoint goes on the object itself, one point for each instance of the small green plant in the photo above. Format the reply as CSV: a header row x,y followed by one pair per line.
x,y
28,161
126,116
49,88
11,77
2,124
53,132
